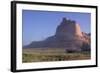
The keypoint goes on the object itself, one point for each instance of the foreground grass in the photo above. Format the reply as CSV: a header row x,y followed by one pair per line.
x,y
52,55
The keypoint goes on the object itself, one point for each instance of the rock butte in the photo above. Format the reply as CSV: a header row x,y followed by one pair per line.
x,y
69,29
68,36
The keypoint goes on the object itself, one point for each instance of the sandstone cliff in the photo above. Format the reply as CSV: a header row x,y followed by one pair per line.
x,y
68,36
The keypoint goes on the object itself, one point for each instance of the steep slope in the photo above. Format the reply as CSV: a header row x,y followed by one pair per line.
x,y
68,36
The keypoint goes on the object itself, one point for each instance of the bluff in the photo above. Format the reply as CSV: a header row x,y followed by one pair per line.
x,y
68,36
68,29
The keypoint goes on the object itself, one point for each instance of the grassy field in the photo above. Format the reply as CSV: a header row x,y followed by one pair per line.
x,y
43,55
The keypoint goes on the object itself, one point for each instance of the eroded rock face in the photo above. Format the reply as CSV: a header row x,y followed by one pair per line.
x,y
68,28
68,36
78,30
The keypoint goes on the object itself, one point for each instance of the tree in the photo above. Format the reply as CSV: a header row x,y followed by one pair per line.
x,y
86,47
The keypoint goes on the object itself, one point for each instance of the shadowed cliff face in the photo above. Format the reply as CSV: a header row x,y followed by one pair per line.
x,y
68,36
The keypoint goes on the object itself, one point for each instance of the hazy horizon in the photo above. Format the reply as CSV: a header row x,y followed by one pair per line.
x,y
38,25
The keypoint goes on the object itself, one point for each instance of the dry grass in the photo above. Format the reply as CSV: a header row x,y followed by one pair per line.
x,y
40,55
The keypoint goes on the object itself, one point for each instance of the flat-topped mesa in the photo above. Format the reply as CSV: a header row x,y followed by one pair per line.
x,y
68,28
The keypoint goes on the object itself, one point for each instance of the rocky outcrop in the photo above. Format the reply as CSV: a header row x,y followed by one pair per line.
x,y
68,36
69,29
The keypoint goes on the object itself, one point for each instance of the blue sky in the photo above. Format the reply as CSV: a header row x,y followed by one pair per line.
x,y
38,25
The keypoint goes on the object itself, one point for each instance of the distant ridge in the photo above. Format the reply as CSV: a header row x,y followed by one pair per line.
x,y
68,36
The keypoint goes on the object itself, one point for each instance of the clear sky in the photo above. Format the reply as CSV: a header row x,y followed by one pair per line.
x,y
38,25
